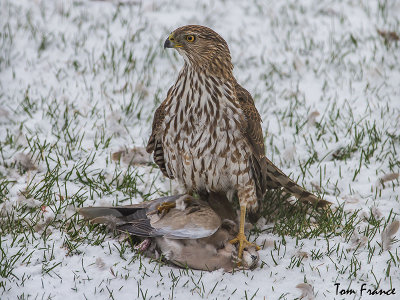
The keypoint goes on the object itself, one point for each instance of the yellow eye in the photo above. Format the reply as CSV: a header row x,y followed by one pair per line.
x,y
190,38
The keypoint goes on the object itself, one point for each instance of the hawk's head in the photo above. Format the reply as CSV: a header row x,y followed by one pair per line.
x,y
201,47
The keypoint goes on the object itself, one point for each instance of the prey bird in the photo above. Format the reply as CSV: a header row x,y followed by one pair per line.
x,y
207,132
192,234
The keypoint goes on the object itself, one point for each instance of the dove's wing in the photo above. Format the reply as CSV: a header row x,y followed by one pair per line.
x,y
193,221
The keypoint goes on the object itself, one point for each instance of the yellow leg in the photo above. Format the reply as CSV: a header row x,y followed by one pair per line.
x,y
241,238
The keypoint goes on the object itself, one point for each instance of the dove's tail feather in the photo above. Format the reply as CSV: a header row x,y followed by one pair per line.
x,y
132,220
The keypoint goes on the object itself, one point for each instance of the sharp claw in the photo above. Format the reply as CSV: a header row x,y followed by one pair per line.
x,y
236,259
234,241
165,207
243,242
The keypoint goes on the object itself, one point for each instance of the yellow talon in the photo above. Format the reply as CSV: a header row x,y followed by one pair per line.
x,y
165,207
243,243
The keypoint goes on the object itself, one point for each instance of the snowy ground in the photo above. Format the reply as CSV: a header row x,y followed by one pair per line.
x,y
81,79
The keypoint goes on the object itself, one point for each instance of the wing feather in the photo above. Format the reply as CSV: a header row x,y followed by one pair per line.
x,y
266,175
196,220
154,145
251,129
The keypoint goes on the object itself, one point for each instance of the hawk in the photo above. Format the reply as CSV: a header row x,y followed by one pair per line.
x,y
207,132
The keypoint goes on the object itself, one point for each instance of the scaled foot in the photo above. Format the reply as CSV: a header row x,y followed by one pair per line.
x,y
243,242
165,207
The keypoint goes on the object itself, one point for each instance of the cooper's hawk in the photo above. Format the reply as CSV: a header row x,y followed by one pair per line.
x,y
207,132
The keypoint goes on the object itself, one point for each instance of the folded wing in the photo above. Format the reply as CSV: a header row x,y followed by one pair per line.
x,y
193,220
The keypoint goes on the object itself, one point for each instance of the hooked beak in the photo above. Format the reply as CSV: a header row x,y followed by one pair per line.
x,y
168,44
171,43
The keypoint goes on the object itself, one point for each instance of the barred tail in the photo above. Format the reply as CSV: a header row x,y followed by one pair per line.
x,y
275,178
154,146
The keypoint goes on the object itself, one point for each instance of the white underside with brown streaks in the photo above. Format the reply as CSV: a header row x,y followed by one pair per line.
x,y
203,145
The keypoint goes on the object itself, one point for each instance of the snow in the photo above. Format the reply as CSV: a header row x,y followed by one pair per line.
x,y
81,80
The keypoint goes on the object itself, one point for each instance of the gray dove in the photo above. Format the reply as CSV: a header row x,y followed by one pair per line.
x,y
184,230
